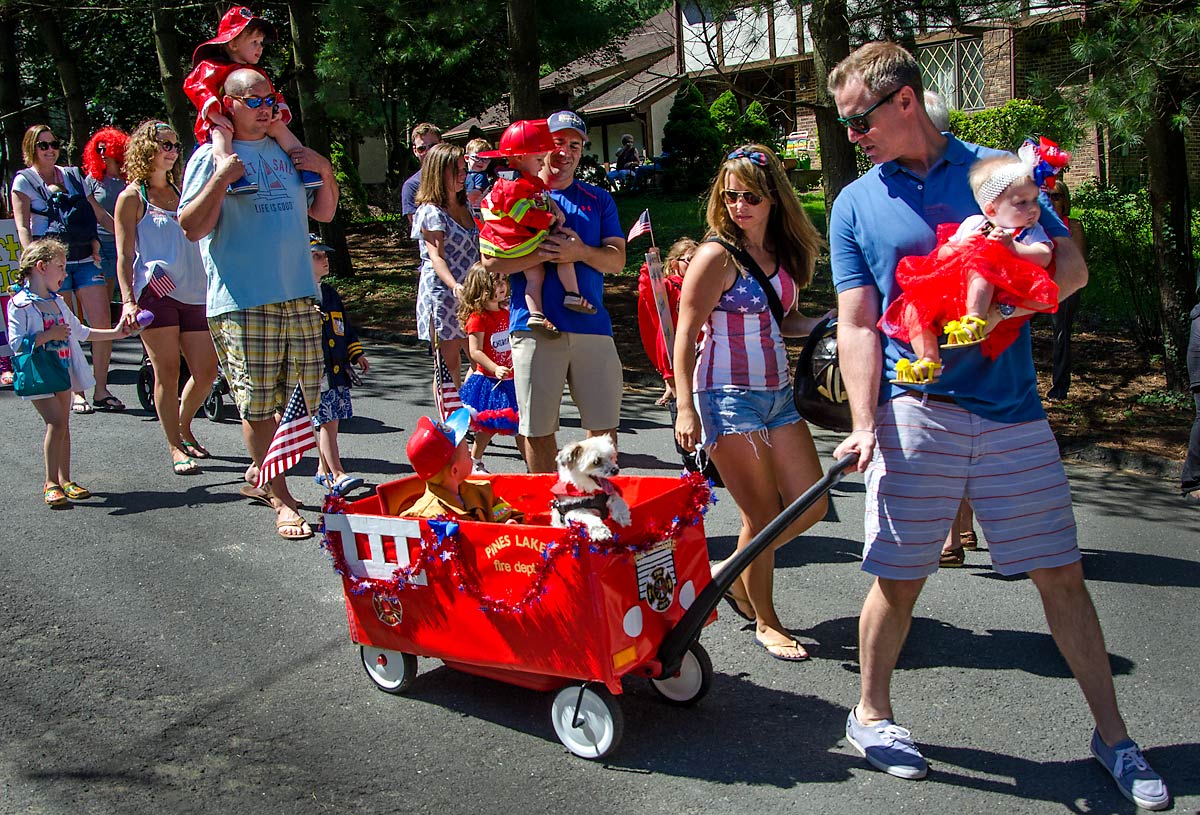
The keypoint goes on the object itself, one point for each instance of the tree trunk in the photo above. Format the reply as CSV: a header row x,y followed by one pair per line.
x,y
179,110
827,24
524,102
1170,208
10,97
302,15
68,74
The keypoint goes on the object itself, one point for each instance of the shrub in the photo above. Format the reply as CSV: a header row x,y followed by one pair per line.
x,y
354,194
1005,127
736,128
691,142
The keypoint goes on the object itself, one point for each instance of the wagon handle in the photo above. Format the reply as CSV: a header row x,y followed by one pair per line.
x,y
677,641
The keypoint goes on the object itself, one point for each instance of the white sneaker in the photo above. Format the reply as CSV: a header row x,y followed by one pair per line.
x,y
478,467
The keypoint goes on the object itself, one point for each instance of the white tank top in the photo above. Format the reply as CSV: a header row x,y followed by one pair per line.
x,y
161,243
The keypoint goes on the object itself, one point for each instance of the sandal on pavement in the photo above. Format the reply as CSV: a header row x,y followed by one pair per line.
x,y
347,483
324,480
54,496
75,492
293,529
81,406
790,651
256,495
6,378
194,449
970,330
109,403
538,322
922,372
968,540
953,558
574,301
735,603
186,466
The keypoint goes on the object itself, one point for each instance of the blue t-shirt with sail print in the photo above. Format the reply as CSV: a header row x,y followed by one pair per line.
x,y
258,253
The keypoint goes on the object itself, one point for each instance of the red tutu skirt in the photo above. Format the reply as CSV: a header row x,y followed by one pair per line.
x,y
934,290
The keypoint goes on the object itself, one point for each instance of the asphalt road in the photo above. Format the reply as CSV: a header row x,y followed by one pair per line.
x,y
162,651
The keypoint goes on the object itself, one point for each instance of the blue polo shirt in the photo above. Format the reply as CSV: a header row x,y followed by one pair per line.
x,y
890,213
592,213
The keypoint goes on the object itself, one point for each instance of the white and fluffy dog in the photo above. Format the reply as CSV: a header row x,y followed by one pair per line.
x,y
584,491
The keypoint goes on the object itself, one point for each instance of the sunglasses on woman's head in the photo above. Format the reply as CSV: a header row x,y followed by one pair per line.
x,y
49,145
753,156
256,102
751,198
171,146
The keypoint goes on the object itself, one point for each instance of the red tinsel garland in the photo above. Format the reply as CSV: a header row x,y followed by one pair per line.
x,y
436,550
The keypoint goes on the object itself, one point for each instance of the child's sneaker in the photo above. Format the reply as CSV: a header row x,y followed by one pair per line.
x,y
479,468
243,186
311,180
1135,778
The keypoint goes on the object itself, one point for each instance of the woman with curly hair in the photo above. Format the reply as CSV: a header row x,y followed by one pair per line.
x,y
161,271
735,392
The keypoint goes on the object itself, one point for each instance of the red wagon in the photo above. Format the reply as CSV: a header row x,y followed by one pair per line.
x,y
530,604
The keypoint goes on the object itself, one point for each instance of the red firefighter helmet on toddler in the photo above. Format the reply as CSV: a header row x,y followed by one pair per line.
x,y
233,23
523,138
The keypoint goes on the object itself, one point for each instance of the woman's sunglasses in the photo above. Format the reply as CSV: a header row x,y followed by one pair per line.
x,y
49,145
171,146
751,198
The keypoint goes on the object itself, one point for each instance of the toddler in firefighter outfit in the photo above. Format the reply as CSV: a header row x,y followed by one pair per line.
x,y
238,44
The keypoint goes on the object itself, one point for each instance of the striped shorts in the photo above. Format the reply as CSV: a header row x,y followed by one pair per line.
x,y
265,350
929,455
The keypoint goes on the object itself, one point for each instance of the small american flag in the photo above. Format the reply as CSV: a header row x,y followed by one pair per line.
x,y
161,283
445,394
641,227
293,436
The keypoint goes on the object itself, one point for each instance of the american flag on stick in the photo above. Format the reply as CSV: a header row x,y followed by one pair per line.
x,y
445,394
160,282
641,227
293,436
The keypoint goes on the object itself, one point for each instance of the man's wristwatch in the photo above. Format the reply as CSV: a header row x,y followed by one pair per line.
x,y
1006,310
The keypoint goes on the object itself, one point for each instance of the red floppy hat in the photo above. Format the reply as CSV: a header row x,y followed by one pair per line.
x,y
233,23
523,138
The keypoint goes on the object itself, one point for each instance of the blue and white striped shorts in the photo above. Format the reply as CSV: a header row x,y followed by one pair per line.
x,y
929,455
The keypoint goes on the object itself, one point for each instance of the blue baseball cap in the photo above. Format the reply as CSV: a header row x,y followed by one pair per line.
x,y
566,120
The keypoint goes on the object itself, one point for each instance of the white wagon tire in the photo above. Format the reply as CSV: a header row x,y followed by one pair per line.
x,y
601,720
391,671
692,682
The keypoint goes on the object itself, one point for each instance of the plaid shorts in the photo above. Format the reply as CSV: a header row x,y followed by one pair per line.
x,y
264,351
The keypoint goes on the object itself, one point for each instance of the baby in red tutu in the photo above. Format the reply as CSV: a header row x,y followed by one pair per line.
x,y
997,258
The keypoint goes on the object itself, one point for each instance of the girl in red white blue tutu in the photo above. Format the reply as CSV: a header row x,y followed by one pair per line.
x,y
998,258
489,391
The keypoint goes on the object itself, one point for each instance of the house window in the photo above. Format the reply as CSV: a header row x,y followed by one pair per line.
x,y
955,70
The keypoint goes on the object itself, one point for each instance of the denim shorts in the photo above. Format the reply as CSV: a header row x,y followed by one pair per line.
x,y
740,410
108,259
82,274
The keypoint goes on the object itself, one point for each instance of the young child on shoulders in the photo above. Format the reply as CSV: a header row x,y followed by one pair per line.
x,y
996,259
439,455
489,391
518,215
342,349
38,318
238,44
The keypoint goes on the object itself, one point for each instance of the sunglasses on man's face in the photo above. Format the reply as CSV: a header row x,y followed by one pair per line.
x,y
858,122
49,145
256,102
422,148
170,146
751,198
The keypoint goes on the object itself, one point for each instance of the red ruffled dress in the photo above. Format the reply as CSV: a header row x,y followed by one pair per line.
x,y
934,290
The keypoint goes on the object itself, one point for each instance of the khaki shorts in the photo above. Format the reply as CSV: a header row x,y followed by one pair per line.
x,y
587,363
265,350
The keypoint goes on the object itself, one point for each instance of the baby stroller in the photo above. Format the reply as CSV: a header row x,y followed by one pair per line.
x,y
214,404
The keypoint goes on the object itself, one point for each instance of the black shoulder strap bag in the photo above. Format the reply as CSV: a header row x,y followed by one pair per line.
x,y
750,265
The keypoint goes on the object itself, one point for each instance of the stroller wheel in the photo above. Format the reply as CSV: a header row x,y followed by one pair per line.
x,y
214,407
587,720
145,387
391,671
691,683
